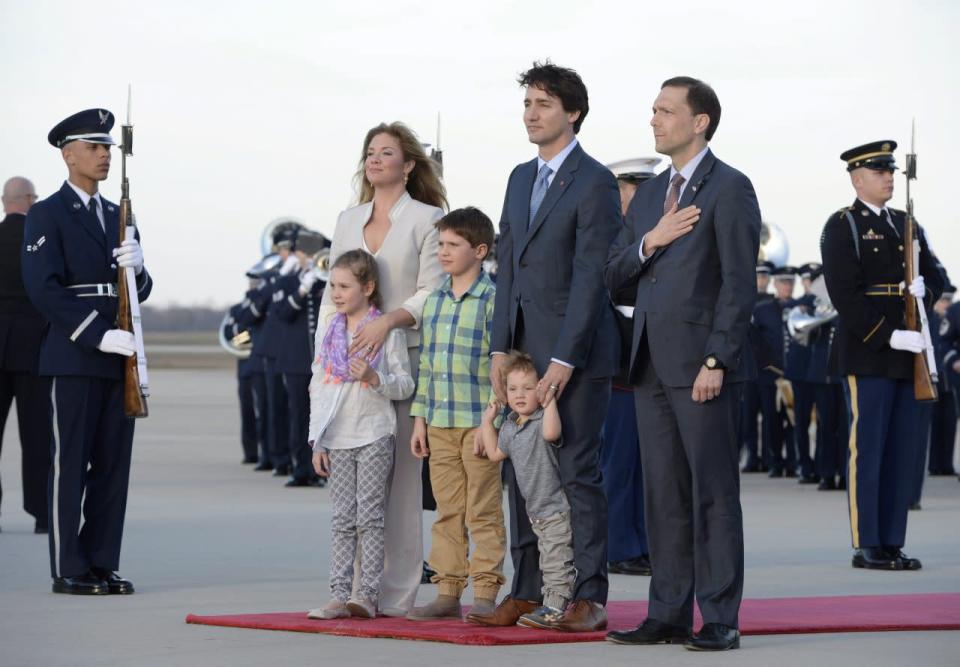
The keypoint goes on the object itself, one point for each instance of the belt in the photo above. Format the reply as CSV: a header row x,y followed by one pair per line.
x,y
885,289
95,289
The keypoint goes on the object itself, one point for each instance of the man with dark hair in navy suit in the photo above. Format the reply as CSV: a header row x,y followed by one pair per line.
x,y
560,214
70,259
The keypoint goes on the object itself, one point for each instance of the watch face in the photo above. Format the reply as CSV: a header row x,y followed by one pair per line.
x,y
711,362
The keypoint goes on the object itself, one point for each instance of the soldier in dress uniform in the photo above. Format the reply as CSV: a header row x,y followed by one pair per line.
x,y
21,328
250,433
70,259
863,263
767,330
261,310
941,452
750,398
797,368
627,550
298,313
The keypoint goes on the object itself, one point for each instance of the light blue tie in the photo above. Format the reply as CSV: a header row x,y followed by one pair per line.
x,y
539,191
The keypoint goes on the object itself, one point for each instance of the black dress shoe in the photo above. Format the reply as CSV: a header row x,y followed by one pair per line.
x,y
915,507
751,467
319,482
651,631
247,460
263,465
281,471
714,637
827,484
842,484
790,473
775,472
40,528
298,481
84,584
638,566
906,563
114,583
808,479
875,558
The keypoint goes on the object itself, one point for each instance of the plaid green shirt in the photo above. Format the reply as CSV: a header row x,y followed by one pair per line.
x,y
453,386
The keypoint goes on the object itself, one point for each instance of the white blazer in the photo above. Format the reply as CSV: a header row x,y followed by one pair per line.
x,y
407,260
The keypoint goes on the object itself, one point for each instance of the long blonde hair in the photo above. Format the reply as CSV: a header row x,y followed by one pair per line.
x,y
423,182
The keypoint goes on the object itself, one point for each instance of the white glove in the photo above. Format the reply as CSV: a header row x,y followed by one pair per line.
x,y
289,265
908,341
118,341
307,281
130,254
917,288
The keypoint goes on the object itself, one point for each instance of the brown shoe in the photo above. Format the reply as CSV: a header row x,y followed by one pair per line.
x,y
445,606
583,616
507,613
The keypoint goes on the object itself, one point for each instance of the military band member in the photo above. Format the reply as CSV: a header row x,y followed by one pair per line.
x,y
21,328
863,263
249,429
70,259
797,367
627,550
755,460
941,460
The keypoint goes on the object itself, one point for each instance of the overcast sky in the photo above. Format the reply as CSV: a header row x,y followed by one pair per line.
x,y
245,111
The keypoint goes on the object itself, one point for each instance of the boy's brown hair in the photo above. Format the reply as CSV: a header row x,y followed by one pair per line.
x,y
517,361
471,223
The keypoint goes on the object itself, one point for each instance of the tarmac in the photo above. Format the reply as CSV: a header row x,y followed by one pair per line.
x,y
205,534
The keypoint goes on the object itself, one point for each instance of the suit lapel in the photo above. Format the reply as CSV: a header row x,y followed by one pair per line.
x,y
698,180
561,183
83,217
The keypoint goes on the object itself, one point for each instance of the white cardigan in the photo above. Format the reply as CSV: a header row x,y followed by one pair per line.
x,y
407,260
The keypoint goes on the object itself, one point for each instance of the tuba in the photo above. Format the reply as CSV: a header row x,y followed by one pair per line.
x,y
800,322
773,244
236,343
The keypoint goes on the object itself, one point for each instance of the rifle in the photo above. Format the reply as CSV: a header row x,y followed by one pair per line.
x,y
924,363
135,384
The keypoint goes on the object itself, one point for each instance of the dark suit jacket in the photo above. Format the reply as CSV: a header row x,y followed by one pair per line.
x,y
553,272
21,326
694,296
64,245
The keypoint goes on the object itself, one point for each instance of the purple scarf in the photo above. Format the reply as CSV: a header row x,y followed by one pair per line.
x,y
333,356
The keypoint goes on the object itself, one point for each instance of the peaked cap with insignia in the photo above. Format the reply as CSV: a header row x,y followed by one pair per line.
x,y
877,155
91,126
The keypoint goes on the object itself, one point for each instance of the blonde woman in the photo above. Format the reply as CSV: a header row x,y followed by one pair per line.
x,y
401,197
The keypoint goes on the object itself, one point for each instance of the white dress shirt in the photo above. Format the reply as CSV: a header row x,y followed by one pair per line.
x,y
687,173
85,198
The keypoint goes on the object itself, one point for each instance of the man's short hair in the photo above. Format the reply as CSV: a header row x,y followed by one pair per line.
x,y
701,98
471,223
517,361
562,83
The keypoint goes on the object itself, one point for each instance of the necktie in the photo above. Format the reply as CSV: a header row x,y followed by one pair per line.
x,y
885,214
673,194
539,191
92,206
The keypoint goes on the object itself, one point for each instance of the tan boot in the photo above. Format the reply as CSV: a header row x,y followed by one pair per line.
x,y
445,606
483,606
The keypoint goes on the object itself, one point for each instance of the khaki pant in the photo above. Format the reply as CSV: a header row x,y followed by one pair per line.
x,y
555,542
469,504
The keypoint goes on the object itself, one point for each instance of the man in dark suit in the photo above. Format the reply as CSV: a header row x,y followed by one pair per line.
x,y
21,327
692,237
560,214
70,260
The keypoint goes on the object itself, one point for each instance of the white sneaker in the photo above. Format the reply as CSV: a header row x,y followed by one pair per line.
x,y
361,608
333,609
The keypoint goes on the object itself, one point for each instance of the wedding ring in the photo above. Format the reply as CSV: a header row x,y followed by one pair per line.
x,y
369,347
554,387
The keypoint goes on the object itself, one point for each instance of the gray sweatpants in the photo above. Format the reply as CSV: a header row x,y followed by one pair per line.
x,y
358,491
555,543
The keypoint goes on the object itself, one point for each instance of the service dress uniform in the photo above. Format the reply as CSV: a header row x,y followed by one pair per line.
x,y
766,334
863,264
70,273
250,435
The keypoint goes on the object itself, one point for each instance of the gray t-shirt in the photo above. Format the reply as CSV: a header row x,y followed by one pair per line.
x,y
535,463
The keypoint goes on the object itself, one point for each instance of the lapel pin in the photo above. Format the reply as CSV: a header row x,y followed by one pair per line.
x,y
864,213
76,206
110,208
561,183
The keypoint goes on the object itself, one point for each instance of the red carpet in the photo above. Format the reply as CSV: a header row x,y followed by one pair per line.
x,y
860,613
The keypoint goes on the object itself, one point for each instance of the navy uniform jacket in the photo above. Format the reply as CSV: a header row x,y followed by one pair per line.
x,y
298,315
21,326
796,357
950,339
866,319
64,245
261,309
245,368
766,334
821,348
939,328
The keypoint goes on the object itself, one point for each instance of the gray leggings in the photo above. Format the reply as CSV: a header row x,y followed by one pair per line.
x,y
358,490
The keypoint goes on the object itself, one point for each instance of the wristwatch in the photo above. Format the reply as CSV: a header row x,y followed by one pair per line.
x,y
713,363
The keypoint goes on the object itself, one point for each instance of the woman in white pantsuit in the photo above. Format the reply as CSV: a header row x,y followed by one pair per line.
x,y
401,197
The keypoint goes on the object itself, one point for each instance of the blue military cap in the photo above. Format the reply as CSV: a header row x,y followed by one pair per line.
x,y
310,242
91,126
285,234
785,272
876,155
811,270
949,290
765,267
635,170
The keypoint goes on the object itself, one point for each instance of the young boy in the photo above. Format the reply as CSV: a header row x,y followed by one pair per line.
x,y
528,437
452,390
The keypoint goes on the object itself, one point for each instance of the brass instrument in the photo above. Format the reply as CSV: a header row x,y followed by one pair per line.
x,y
239,344
773,244
801,323
321,264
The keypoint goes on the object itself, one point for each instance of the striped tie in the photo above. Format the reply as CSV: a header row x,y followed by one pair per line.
x,y
539,191
673,194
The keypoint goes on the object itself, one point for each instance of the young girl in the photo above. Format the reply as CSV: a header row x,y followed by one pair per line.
x,y
352,427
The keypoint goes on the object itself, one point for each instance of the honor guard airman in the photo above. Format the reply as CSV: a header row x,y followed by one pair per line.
x,y
250,435
754,460
941,450
70,259
797,357
864,258
627,550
